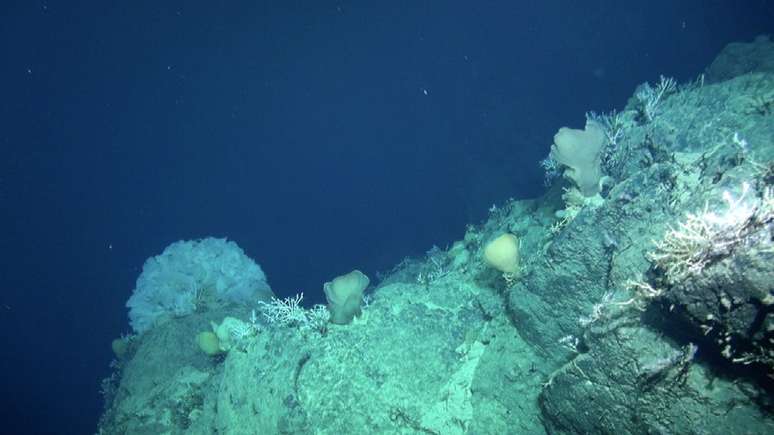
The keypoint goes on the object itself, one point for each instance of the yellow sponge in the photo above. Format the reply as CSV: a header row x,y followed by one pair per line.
x,y
502,253
344,295
208,343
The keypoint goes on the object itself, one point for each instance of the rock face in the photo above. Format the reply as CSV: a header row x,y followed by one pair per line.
x,y
742,58
647,309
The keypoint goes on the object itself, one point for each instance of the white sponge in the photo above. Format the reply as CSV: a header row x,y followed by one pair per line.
x,y
171,284
580,151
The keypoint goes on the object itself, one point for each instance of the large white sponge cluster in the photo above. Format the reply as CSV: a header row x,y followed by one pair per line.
x,y
190,272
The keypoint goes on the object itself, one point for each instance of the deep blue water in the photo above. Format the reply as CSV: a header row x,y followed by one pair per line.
x,y
321,136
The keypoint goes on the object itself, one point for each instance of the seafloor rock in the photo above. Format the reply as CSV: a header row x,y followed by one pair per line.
x,y
595,334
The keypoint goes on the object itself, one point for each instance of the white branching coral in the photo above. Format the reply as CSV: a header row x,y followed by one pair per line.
x,y
612,125
700,238
240,331
650,97
317,319
289,312
597,311
284,312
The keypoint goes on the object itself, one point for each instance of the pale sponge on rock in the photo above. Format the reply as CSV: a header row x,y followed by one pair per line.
x,y
580,151
344,295
190,275
502,253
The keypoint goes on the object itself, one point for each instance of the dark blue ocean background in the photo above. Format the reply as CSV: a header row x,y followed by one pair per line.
x,y
320,136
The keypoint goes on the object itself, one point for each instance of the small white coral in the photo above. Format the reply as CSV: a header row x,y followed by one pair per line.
x,y
284,312
690,247
288,312
651,97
